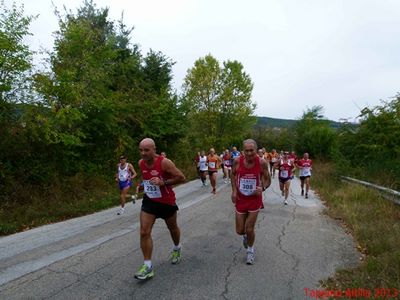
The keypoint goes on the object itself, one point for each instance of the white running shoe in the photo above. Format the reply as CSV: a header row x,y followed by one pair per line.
x,y
250,258
134,198
286,203
121,211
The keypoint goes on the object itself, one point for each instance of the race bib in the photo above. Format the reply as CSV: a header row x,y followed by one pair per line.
x,y
247,186
284,174
305,172
211,164
151,190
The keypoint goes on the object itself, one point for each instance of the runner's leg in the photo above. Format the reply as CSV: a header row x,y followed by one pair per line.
x,y
146,242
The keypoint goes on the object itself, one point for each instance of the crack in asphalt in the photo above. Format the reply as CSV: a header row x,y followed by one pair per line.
x,y
228,273
280,246
224,294
80,277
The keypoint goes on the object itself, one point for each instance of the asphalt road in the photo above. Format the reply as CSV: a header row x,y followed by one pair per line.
x,y
96,256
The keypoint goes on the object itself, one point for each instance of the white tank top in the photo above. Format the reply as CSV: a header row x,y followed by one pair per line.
x,y
124,174
203,163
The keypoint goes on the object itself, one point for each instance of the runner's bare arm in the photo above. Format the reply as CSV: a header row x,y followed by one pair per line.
x,y
176,175
132,169
265,177
233,180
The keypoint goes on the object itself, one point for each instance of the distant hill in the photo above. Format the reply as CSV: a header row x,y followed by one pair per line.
x,y
272,122
284,123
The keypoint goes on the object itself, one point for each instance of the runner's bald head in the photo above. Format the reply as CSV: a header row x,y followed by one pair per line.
x,y
147,143
250,141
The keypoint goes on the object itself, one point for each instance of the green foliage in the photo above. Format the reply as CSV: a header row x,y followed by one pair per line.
x,y
103,94
314,135
274,138
274,122
15,66
217,102
97,99
15,56
374,224
374,145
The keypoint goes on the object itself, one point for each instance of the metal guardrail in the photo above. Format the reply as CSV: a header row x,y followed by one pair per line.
x,y
387,193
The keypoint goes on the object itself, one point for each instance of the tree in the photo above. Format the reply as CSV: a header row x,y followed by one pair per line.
x,y
314,134
374,145
217,102
15,55
15,69
103,93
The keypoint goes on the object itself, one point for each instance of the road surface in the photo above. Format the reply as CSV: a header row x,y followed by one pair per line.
x,y
96,256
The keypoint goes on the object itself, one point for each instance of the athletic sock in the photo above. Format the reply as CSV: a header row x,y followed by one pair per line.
x,y
148,263
250,249
177,247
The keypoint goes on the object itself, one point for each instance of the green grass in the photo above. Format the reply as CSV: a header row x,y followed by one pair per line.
x,y
375,224
74,197
33,206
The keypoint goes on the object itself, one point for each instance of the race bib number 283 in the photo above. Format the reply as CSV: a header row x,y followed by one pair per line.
x,y
151,190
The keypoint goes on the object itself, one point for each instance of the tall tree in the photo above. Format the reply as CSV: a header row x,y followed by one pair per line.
x,y
15,69
217,102
15,55
374,145
314,134
104,94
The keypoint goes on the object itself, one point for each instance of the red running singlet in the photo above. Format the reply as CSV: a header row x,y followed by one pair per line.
x,y
162,194
246,182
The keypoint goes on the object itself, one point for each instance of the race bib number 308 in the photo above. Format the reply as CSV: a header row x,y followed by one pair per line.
x,y
247,186
151,190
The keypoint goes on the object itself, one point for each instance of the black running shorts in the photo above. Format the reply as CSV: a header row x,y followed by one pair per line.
x,y
159,210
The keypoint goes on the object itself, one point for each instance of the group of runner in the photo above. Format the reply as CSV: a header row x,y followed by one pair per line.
x,y
286,163
249,173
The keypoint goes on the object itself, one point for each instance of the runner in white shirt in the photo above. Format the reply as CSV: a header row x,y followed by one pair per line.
x,y
203,167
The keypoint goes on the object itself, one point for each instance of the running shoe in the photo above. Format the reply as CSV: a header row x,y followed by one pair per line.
x,y
134,198
306,196
176,256
144,272
302,192
286,203
250,258
121,211
245,245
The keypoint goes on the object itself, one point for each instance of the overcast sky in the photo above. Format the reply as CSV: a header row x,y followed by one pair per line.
x,y
341,54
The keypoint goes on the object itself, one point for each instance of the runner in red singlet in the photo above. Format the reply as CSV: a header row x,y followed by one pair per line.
x,y
158,174
305,166
250,177
227,162
213,162
286,168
